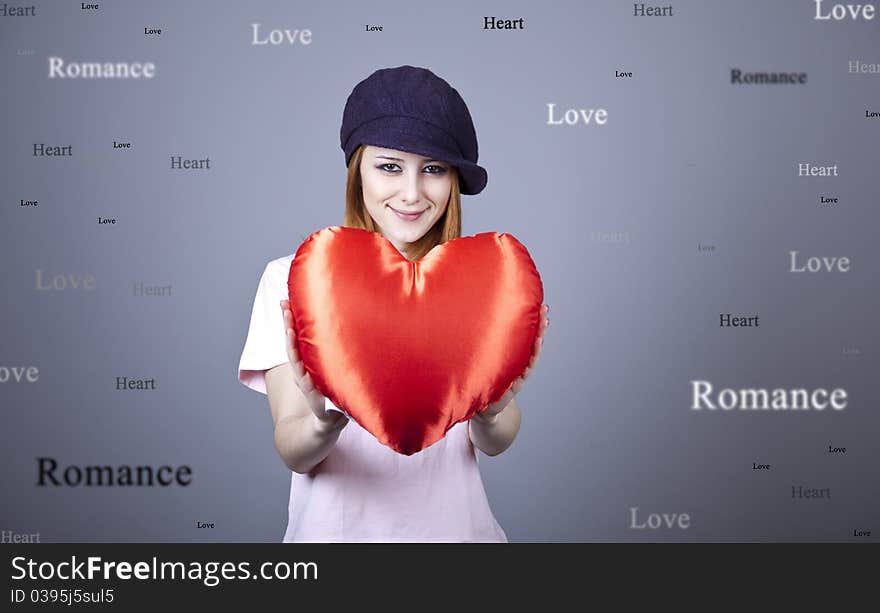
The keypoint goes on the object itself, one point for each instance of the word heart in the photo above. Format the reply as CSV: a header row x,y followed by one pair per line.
x,y
815,265
572,116
655,521
276,37
840,12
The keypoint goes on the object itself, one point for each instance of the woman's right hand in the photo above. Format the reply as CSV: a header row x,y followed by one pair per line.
x,y
303,379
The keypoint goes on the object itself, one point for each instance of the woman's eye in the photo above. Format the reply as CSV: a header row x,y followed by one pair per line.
x,y
389,167
435,170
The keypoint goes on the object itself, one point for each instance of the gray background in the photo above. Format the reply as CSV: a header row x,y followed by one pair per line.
x,y
685,159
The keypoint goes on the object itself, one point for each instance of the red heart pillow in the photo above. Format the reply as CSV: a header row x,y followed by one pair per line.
x,y
409,349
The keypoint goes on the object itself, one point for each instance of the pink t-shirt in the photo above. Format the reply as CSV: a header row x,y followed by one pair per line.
x,y
364,491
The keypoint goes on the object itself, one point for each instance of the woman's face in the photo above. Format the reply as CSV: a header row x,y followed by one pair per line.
x,y
404,193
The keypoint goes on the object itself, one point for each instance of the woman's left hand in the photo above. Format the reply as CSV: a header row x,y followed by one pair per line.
x,y
494,408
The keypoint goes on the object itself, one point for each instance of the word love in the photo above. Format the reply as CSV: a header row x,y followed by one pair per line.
x,y
103,220
204,525
30,373
29,202
369,28
836,449
840,12
619,74
655,521
756,466
154,31
277,37
572,116
815,265
121,145
88,7
62,282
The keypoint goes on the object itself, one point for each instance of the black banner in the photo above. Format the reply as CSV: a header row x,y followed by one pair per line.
x,y
131,577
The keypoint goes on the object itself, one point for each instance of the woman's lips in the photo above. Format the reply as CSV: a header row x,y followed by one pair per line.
x,y
407,216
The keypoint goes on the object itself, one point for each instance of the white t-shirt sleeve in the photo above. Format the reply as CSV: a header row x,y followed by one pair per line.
x,y
264,347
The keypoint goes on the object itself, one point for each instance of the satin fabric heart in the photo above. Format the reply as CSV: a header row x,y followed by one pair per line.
x,y
409,349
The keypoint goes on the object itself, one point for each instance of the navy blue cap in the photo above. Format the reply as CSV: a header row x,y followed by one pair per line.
x,y
411,109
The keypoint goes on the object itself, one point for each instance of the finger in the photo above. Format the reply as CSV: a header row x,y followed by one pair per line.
x,y
542,329
291,341
533,360
518,385
498,405
295,361
536,350
287,346
306,384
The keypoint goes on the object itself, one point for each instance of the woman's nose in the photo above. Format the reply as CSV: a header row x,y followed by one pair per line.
x,y
411,189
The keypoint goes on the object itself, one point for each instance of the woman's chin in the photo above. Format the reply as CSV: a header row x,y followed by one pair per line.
x,y
402,238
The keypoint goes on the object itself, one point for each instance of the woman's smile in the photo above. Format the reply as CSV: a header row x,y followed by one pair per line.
x,y
407,216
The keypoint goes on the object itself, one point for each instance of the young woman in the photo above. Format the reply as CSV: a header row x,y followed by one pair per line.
x,y
411,150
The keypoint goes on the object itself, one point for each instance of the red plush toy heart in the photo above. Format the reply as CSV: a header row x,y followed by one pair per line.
x,y
409,349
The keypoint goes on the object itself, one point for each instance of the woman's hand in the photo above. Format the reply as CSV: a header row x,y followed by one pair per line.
x,y
491,413
303,379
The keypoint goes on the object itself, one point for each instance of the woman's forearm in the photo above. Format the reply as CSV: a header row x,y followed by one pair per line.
x,y
493,437
304,441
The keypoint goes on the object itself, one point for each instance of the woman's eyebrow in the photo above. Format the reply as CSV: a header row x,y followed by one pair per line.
x,y
385,157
